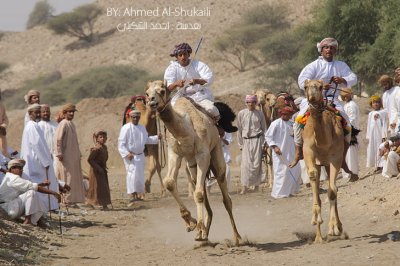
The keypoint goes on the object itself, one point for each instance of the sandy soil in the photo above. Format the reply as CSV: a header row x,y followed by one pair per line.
x,y
151,232
277,232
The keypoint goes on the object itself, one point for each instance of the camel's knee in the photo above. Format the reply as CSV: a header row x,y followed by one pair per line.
x,y
332,194
169,183
199,196
313,174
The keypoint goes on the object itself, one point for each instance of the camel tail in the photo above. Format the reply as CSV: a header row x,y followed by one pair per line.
x,y
227,117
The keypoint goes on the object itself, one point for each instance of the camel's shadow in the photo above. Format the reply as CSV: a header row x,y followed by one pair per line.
x,y
393,236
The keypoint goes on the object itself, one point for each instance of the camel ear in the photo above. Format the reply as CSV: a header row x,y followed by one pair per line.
x,y
306,82
147,85
321,83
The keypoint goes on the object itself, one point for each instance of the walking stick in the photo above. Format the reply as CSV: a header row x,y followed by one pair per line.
x,y
48,195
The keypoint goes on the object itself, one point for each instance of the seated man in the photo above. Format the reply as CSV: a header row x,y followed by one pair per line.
x,y
19,197
390,153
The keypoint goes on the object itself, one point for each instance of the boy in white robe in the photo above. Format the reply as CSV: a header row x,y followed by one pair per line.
x,y
131,143
353,112
377,132
279,137
19,197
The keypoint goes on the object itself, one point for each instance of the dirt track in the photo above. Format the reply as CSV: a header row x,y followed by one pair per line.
x,y
278,232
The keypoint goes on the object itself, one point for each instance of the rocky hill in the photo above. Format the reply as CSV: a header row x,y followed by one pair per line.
x,y
38,51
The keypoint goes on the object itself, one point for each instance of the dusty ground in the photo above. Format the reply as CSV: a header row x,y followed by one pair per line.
x,y
278,232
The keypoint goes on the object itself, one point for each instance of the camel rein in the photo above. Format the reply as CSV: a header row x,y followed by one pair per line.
x,y
161,153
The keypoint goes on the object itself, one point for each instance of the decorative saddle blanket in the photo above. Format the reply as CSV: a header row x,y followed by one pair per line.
x,y
302,120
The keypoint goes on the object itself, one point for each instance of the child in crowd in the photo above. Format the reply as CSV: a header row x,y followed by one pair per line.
x,y
99,190
377,132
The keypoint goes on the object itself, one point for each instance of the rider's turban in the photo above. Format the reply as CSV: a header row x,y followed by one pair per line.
x,y
181,48
327,42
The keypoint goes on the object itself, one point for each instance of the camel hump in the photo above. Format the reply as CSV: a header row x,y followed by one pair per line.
x,y
227,117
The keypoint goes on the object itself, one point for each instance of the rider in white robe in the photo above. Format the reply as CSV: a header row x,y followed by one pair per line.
x,y
335,75
192,77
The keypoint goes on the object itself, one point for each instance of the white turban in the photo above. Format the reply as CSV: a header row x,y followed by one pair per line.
x,y
327,42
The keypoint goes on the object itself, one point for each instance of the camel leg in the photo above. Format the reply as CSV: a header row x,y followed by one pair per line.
x,y
335,226
190,176
223,185
314,174
151,167
203,163
208,218
174,163
158,169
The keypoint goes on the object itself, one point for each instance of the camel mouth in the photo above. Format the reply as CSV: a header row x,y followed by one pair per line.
x,y
153,104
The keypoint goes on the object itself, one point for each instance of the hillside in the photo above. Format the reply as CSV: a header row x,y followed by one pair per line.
x,y
39,52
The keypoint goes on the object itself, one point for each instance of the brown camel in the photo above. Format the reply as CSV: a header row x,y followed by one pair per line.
x,y
323,146
148,119
192,135
266,103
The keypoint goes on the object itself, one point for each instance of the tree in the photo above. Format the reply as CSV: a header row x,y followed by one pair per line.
x,y
41,13
78,23
239,45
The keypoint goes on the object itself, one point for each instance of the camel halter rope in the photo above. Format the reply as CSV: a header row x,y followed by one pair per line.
x,y
161,151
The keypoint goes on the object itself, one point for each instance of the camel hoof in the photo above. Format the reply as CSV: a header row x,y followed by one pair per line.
x,y
199,238
163,193
318,240
192,225
147,185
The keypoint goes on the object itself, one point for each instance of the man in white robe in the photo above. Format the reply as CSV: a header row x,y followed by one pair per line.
x,y
377,131
251,129
48,127
19,197
34,150
391,157
334,74
391,103
279,137
192,75
131,143
353,112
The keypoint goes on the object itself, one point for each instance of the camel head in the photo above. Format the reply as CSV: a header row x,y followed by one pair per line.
x,y
313,90
157,94
265,97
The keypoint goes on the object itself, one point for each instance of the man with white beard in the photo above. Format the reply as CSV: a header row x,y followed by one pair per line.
x,y
34,150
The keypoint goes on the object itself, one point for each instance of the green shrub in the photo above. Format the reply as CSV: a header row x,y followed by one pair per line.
x,y
3,66
106,82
